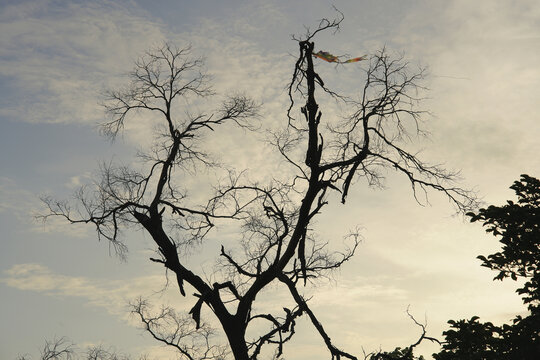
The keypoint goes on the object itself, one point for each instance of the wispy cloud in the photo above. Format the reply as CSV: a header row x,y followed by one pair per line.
x,y
483,59
25,205
56,58
112,295
14,199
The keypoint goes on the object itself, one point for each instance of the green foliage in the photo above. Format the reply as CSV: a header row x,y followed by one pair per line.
x,y
471,340
397,354
517,227
522,338
474,340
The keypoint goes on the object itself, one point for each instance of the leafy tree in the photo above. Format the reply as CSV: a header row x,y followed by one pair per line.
x,y
471,339
324,156
397,354
517,226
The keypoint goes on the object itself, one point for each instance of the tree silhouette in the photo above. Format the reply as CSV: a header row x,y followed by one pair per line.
x,y
517,227
57,349
397,354
278,246
63,349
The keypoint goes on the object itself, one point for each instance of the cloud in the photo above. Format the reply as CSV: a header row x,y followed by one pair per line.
x,y
111,295
75,182
25,205
15,200
57,58
483,60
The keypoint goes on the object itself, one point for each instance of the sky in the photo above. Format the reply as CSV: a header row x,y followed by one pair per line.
x,y
57,58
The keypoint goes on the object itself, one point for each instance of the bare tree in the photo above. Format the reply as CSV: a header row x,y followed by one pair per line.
x,y
278,245
57,349
63,349
179,331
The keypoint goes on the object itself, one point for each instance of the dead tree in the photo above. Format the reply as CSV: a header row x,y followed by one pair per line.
x,y
279,246
63,349
57,349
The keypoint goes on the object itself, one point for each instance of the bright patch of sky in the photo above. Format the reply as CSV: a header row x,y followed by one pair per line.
x,y
57,57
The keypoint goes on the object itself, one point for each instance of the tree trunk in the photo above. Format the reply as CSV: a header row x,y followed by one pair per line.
x,y
236,331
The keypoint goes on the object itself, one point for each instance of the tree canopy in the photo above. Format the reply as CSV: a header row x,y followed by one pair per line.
x,y
516,225
276,243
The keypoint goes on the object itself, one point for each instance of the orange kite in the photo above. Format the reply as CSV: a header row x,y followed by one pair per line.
x,y
332,58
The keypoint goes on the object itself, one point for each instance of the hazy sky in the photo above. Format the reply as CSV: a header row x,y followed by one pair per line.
x,y
56,57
